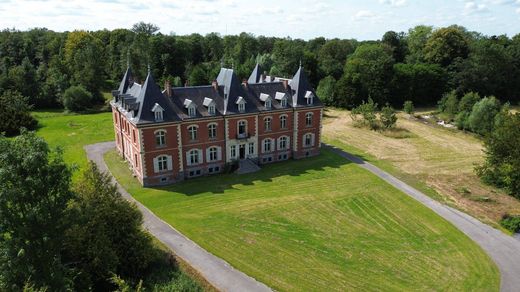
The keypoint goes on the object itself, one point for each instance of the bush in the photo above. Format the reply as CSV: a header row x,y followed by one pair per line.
x,y
367,110
77,98
388,117
15,114
408,107
449,105
511,223
465,107
482,117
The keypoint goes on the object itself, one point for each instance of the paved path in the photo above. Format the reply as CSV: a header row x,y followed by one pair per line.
x,y
503,249
215,270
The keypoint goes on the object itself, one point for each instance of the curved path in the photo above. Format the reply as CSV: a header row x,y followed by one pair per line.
x,y
503,249
215,270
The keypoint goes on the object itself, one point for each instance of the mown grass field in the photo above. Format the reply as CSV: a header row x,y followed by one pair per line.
x,y
438,161
319,224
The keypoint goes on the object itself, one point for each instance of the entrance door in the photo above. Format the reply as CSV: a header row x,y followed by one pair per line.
x,y
242,151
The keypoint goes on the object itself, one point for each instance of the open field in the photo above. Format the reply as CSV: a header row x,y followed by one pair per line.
x,y
319,223
442,159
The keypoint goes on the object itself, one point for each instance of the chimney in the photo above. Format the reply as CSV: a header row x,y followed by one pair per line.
x,y
244,82
168,88
285,83
187,83
214,84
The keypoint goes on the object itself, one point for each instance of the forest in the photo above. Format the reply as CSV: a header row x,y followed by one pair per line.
x,y
419,65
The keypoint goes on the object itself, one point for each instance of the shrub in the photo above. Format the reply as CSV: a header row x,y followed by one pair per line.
x,y
511,223
482,117
77,98
15,114
465,107
367,110
408,107
388,117
449,105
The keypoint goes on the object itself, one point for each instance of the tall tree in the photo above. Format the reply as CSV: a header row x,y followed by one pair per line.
x,y
445,45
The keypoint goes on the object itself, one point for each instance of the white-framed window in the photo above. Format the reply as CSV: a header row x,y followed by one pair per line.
x,y
309,96
242,127
213,154
283,143
233,151
309,101
283,122
211,109
192,131
251,148
268,104
242,107
283,102
158,116
212,131
160,138
267,145
308,119
308,140
267,124
194,157
192,112
162,163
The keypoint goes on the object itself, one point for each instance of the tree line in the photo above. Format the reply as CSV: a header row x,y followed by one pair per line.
x,y
419,65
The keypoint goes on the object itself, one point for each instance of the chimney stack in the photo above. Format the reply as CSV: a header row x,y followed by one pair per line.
x,y
168,88
285,83
244,82
214,84
187,83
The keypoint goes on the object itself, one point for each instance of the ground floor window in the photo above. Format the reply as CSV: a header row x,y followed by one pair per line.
x,y
162,163
233,151
195,173
251,148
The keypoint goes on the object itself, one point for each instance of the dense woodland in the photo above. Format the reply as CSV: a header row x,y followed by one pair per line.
x,y
419,65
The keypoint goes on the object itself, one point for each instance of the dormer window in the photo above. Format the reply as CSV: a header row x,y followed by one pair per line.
x,y
266,99
309,96
210,104
241,103
158,112
282,98
190,105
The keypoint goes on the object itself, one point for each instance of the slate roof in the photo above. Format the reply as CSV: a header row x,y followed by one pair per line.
x,y
139,100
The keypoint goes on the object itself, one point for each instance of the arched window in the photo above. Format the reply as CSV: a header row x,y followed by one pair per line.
x,y
192,111
308,119
283,102
268,104
192,130
160,138
267,124
211,110
162,163
283,122
283,143
268,145
308,140
212,131
193,157
213,154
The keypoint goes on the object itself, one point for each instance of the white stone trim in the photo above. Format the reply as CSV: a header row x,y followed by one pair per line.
x,y
179,141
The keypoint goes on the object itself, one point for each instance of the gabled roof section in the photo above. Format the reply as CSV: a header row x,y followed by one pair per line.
x,y
151,98
300,86
188,103
232,91
264,96
208,101
240,100
255,75
197,95
157,108
280,95
128,80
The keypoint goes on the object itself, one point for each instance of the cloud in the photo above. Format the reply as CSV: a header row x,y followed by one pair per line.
x,y
474,8
395,3
364,15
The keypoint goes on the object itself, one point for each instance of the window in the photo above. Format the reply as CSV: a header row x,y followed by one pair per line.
x,y
158,116
268,104
308,140
251,148
283,102
309,101
193,157
268,145
233,151
192,130
241,127
162,163
212,131
213,154
267,124
211,110
160,138
309,96
308,119
283,143
134,137
242,107
191,111
283,122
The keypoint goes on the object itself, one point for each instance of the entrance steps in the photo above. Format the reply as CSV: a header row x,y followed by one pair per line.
x,y
247,166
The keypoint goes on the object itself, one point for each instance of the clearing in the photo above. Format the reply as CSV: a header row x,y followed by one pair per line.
x,y
442,159
316,223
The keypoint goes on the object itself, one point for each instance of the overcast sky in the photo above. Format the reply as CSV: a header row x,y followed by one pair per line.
x,y
366,19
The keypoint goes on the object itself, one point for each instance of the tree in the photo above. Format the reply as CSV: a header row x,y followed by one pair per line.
x,y
449,105
408,107
502,165
34,192
416,41
332,56
326,90
145,28
367,110
397,43
445,45
465,107
388,117
423,84
97,249
77,98
15,113
482,117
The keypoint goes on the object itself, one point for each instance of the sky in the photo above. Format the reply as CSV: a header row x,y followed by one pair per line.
x,y
306,19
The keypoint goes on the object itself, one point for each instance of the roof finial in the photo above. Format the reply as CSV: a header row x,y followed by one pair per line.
x,y
300,62
233,65
149,70
222,62
128,58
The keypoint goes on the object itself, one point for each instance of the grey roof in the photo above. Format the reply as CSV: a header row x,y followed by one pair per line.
x,y
139,101
255,75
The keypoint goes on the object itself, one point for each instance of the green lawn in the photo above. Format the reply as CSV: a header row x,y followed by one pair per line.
x,y
316,224
73,131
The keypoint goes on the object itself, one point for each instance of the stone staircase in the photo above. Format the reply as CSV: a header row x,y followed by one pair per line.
x,y
247,166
